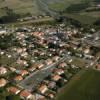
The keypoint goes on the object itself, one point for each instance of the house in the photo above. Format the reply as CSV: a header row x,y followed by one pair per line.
x,y
42,53
18,78
48,62
51,96
62,65
3,31
61,51
41,41
23,72
88,56
3,82
26,95
55,58
98,66
2,52
45,82
42,89
13,90
39,97
56,77
3,70
24,54
12,69
62,44
37,34
59,71
19,50
31,69
40,65
51,85
87,50
75,31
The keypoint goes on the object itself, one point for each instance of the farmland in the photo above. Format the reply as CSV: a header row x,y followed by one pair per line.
x,y
19,6
74,10
32,6
84,86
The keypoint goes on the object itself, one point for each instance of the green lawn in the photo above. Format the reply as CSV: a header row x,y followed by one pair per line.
x,y
84,86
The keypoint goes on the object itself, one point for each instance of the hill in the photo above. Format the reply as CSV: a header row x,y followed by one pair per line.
x,y
80,10
35,7
19,7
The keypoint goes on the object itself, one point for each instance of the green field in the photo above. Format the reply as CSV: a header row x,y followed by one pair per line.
x,y
19,6
31,6
74,9
84,19
31,22
63,4
84,86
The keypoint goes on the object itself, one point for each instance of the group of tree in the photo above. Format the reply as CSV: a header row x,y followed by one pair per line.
x,y
8,41
10,16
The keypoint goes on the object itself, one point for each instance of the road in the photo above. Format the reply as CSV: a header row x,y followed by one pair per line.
x,y
32,81
93,43
44,6
18,24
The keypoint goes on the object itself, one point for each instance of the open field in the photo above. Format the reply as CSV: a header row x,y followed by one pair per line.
x,y
95,14
84,19
32,6
60,6
84,86
30,22
38,7
19,6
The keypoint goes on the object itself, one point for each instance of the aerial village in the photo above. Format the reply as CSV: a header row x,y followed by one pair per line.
x,y
36,62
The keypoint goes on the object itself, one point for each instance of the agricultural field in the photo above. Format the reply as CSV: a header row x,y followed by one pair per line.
x,y
32,6
63,4
19,6
74,10
84,86
77,10
84,18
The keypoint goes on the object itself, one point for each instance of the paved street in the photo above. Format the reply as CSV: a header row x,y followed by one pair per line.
x,y
93,43
32,81
37,77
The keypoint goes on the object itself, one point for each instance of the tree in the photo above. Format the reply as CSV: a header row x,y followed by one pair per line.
x,y
12,97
